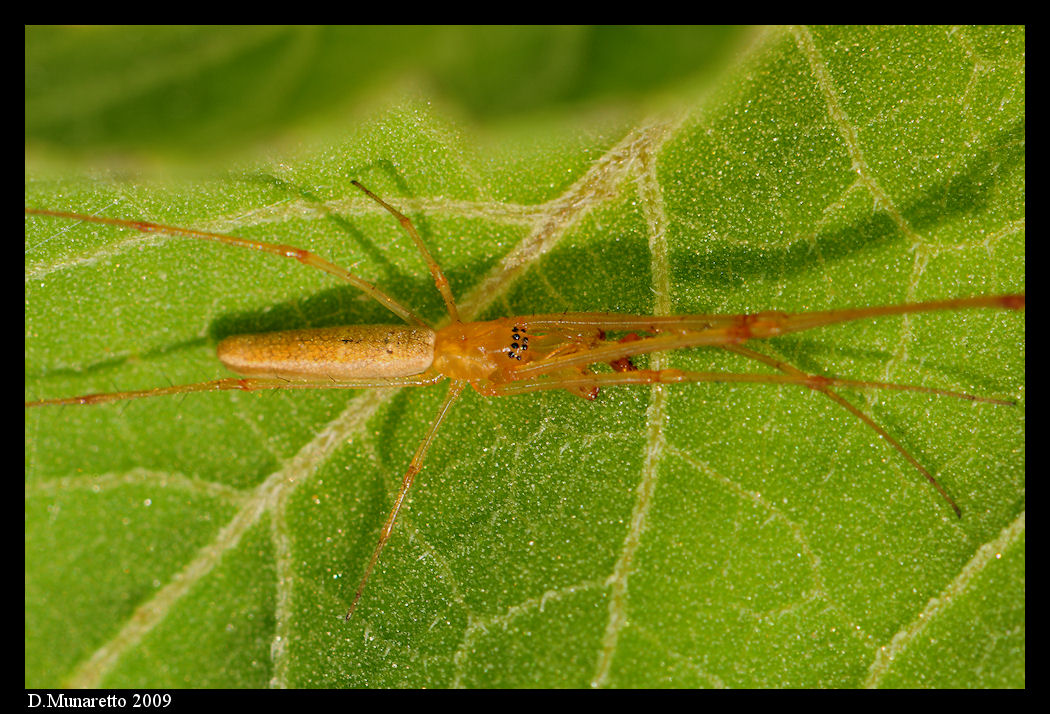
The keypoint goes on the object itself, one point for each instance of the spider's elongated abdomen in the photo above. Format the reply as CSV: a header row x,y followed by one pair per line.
x,y
345,352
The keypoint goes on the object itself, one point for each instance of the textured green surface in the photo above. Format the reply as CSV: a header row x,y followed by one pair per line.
x,y
706,535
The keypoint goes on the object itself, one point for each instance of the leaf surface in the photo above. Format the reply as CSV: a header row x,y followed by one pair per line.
x,y
696,535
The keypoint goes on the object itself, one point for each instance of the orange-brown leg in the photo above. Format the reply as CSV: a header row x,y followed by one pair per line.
x,y
566,380
681,331
853,409
760,324
285,251
435,270
245,384
455,389
790,375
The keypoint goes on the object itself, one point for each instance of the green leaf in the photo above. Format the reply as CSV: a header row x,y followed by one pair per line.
x,y
695,535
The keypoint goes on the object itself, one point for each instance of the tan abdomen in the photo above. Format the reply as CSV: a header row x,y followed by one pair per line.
x,y
350,352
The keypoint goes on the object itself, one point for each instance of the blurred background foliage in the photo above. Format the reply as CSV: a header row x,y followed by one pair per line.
x,y
183,95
